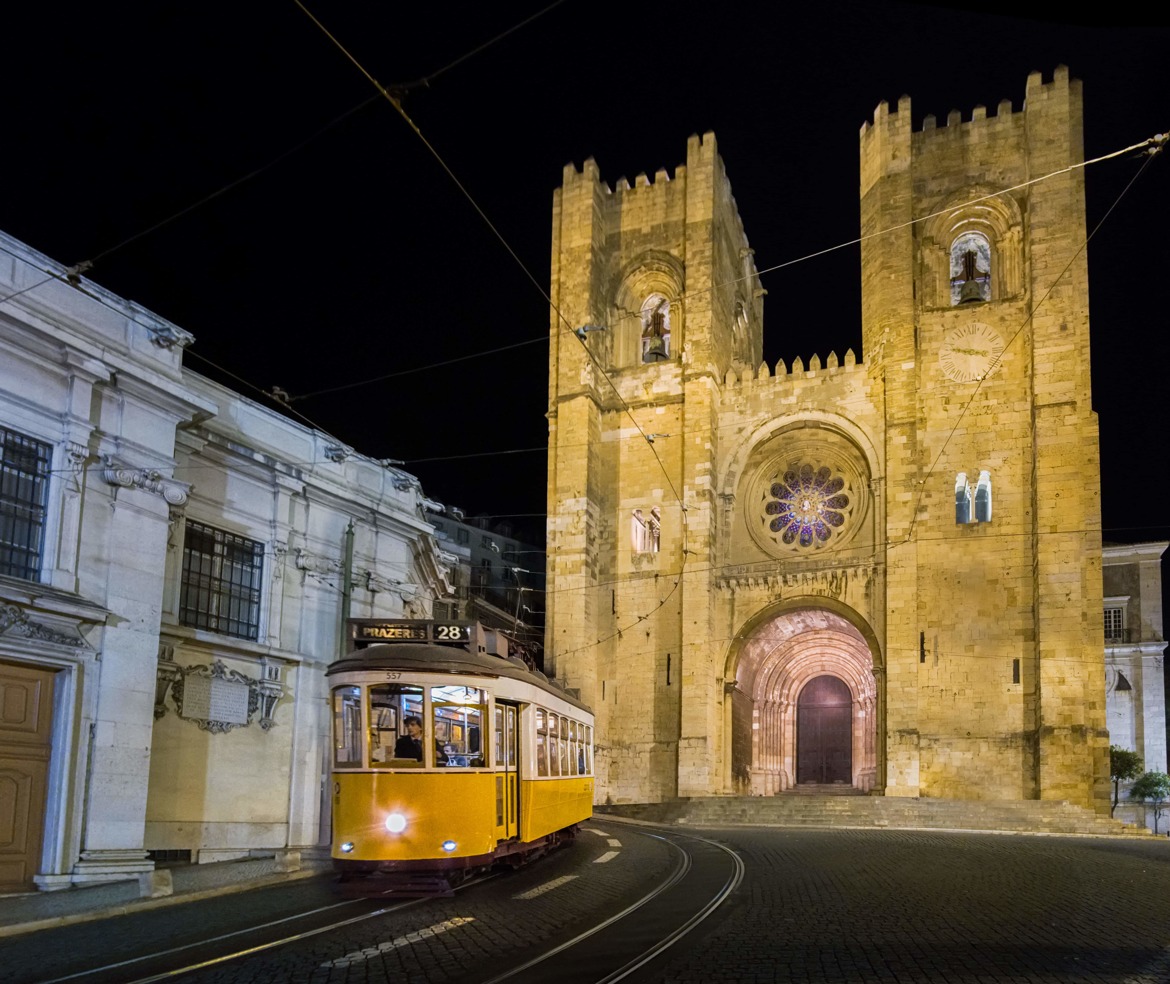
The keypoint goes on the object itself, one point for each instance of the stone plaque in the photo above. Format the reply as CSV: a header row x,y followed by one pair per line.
x,y
215,699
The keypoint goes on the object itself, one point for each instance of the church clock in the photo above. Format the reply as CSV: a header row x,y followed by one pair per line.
x,y
970,352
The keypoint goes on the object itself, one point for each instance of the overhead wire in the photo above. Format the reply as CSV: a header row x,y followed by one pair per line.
x,y
569,327
71,275
1153,145
408,372
235,183
685,296
426,80
396,103
85,265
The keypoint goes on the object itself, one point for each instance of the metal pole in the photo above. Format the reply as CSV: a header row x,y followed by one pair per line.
x,y
346,589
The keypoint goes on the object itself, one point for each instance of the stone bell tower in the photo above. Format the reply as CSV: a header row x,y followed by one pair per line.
x,y
663,270
975,321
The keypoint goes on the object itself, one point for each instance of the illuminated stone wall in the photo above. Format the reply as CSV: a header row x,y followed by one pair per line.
x,y
829,485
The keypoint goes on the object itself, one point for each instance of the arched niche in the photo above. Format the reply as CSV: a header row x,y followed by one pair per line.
x,y
652,283
962,223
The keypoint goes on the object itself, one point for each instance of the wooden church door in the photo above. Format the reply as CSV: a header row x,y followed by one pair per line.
x,y
824,732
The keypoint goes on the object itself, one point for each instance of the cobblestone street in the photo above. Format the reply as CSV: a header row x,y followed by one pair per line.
x,y
913,906
815,905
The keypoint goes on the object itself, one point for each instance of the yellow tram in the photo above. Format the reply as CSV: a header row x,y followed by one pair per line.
x,y
449,755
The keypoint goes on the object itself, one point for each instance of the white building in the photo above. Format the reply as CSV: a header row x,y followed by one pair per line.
x,y
172,585
1135,665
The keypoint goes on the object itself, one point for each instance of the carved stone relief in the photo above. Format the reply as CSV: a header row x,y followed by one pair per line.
x,y
15,619
215,698
312,563
173,492
279,552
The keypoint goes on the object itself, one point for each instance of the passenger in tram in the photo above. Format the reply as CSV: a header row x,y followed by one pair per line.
x,y
409,745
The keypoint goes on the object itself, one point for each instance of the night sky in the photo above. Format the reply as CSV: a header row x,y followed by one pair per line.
x,y
352,255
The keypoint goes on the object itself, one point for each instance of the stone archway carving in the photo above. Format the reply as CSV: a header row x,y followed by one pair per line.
x,y
774,663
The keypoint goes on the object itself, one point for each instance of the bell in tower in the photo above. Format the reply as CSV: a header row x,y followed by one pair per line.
x,y
972,283
654,338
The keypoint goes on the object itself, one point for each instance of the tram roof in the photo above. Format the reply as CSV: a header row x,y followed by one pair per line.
x,y
429,658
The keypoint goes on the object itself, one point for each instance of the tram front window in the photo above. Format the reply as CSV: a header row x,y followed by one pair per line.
x,y
397,737
347,728
458,714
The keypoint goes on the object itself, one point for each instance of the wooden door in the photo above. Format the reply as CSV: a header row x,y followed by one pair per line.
x,y
824,732
26,712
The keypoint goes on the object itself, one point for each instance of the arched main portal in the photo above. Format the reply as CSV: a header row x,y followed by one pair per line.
x,y
805,705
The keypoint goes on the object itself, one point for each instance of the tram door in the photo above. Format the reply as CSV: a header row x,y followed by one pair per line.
x,y
507,774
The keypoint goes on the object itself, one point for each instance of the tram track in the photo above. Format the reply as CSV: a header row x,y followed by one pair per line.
x,y
678,913
104,972
614,948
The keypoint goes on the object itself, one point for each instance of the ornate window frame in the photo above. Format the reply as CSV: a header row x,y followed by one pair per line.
x,y
831,480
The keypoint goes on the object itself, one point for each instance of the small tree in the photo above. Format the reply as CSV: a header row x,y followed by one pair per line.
x,y
1153,787
1124,765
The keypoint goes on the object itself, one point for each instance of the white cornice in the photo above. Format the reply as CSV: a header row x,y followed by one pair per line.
x,y
1119,553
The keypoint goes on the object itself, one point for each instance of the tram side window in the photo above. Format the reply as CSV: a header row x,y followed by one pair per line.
x,y
397,737
588,751
541,743
499,729
574,746
347,728
554,744
458,714
564,748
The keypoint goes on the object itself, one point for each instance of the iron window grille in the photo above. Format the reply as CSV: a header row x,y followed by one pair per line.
x,y
24,490
221,582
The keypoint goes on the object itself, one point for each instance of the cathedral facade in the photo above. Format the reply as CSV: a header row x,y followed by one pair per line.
x,y
880,571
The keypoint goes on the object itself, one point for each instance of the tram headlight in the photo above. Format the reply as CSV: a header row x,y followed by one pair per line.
x,y
396,823
449,845
347,847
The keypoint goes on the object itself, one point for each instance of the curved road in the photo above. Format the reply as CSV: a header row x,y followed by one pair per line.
x,y
640,904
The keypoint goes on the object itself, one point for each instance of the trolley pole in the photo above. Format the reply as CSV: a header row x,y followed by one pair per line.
x,y
346,589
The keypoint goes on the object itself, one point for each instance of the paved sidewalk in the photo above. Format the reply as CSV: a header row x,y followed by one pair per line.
x,y
42,910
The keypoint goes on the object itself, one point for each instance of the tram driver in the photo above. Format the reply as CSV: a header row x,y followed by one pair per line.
x,y
409,745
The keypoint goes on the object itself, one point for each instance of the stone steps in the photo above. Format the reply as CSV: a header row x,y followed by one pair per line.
x,y
836,810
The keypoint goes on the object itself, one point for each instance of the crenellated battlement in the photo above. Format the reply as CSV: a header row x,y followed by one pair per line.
x,y
1036,90
590,173
782,373
889,142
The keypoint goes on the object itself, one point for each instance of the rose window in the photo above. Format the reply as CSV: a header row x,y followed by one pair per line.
x,y
807,505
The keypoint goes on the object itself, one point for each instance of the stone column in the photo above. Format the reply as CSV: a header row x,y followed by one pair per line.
x,y
134,547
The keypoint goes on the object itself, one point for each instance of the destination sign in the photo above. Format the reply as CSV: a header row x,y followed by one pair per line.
x,y
369,630
418,632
